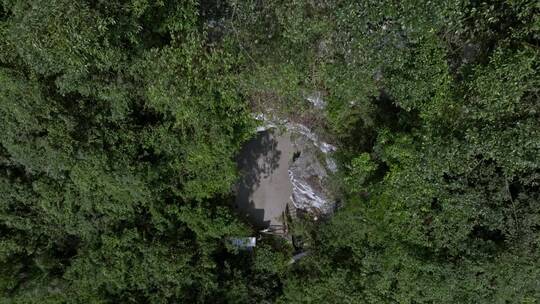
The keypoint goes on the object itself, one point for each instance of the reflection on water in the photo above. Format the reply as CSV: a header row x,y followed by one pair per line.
x,y
264,187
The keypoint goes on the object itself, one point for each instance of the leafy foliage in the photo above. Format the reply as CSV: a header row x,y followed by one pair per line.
x,y
120,120
119,126
450,167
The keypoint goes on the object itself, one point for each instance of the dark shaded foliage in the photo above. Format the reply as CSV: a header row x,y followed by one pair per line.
x,y
120,122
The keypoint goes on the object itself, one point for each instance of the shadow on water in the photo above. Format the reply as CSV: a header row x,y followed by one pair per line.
x,y
258,159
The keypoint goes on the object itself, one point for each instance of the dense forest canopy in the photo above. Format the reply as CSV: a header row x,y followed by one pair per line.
x,y
120,121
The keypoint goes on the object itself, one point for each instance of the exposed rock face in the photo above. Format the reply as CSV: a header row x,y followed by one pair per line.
x,y
316,100
302,166
308,173
309,167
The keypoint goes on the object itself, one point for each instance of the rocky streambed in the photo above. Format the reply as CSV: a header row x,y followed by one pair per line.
x,y
286,165
309,171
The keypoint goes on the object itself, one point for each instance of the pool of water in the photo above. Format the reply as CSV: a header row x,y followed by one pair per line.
x,y
264,189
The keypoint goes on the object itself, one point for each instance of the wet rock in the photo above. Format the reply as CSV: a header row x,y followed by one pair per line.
x,y
308,174
316,100
310,165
